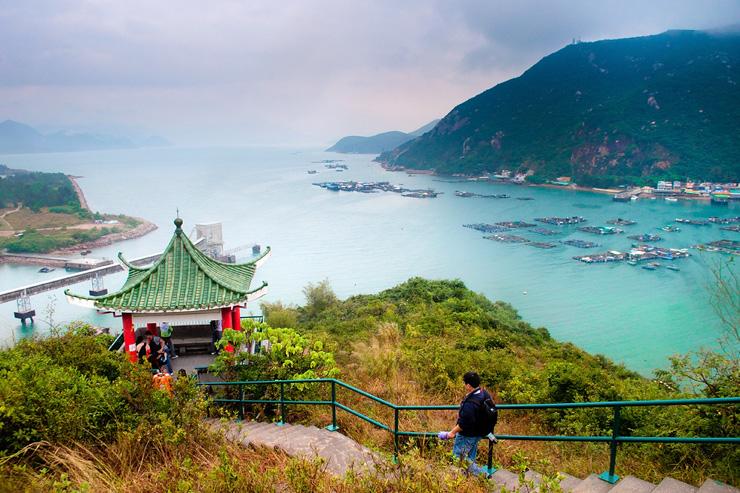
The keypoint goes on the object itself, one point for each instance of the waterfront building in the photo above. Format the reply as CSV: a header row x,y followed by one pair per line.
x,y
185,288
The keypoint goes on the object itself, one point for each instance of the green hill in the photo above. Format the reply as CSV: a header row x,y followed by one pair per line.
x,y
376,144
603,112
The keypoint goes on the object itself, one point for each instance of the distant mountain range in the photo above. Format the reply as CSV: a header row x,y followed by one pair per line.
x,y
18,138
603,112
378,143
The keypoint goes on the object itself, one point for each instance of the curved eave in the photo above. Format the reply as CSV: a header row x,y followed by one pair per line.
x,y
262,258
126,264
92,302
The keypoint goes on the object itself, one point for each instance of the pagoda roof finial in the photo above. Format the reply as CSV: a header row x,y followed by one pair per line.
x,y
178,225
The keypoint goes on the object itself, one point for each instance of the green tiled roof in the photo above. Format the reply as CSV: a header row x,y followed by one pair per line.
x,y
184,278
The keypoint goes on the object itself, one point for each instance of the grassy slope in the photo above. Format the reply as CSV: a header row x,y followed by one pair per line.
x,y
411,345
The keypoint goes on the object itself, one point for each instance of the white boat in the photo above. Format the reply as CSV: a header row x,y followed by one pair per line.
x,y
634,197
671,199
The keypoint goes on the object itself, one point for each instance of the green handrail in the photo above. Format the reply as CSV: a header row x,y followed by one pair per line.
x,y
613,440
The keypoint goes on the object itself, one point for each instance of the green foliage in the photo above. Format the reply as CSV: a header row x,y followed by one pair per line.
x,y
278,315
284,354
69,388
319,298
37,190
34,241
658,106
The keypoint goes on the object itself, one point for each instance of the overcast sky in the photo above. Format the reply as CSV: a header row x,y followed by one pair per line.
x,y
290,72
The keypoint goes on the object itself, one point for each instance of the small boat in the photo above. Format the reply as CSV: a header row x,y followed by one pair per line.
x,y
671,199
45,270
649,267
86,252
632,262
672,267
671,229
312,172
633,198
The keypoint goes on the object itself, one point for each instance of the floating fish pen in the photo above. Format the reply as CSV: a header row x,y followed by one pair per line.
x,y
561,221
487,228
504,238
610,256
421,194
515,224
544,231
373,187
480,195
621,222
600,230
542,244
580,243
724,246
693,222
734,228
650,252
724,220
645,237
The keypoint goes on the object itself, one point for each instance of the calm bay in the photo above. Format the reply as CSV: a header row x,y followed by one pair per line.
x,y
364,243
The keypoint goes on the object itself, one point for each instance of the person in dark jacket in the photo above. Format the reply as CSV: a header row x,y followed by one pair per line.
x,y
471,425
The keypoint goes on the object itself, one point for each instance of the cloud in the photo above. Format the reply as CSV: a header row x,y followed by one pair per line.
x,y
290,71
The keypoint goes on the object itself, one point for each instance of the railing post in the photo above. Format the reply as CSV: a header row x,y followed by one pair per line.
x,y
610,476
241,402
395,435
333,426
282,404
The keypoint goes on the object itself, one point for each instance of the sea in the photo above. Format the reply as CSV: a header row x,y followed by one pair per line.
x,y
365,243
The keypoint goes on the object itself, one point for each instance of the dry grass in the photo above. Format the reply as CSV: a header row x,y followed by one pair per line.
x,y
209,463
27,219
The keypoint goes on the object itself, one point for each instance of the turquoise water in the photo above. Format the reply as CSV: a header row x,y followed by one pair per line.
x,y
365,243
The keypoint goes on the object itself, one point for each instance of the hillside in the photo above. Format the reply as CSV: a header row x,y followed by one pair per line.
x,y
409,344
20,138
666,105
378,143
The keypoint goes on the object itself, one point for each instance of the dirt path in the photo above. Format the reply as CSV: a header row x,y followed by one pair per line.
x,y
7,224
80,195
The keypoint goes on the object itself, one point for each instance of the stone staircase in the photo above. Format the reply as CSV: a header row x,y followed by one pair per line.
x,y
339,452
342,454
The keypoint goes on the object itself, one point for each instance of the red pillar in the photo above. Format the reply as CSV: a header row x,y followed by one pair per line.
x,y
236,318
129,337
226,318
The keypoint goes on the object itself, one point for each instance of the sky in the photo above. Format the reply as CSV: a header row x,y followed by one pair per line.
x,y
290,72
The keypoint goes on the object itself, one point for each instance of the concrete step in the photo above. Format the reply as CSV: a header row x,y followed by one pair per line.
x,y
712,486
504,478
593,484
670,485
631,484
568,483
535,478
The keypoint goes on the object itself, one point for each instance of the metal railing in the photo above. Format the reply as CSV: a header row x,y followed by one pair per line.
x,y
613,440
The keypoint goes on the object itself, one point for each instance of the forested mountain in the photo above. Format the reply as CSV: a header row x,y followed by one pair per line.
x,y
666,105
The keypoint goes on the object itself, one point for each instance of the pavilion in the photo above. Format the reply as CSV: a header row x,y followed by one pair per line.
x,y
184,287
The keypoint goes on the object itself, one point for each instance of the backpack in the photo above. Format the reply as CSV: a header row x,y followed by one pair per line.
x,y
488,413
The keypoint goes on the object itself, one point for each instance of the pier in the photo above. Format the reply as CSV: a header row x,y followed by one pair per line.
x,y
87,273
56,262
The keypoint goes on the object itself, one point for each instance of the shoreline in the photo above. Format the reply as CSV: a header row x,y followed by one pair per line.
x,y
80,196
571,188
143,228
